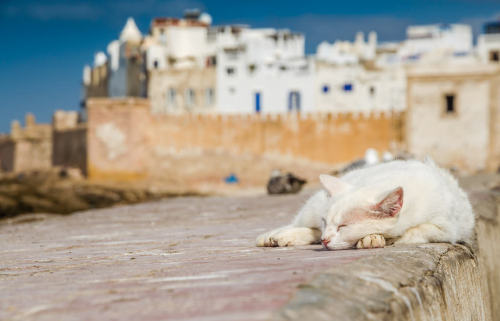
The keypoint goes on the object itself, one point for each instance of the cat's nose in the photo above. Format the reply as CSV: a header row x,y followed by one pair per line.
x,y
325,242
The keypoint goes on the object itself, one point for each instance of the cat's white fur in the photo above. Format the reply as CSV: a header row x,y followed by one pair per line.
x,y
410,201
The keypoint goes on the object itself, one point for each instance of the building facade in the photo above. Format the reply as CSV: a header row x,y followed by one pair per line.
x,y
262,71
453,115
488,43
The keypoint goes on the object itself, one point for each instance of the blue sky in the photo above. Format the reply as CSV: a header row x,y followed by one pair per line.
x,y
45,44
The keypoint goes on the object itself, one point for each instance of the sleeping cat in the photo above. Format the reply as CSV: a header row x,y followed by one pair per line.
x,y
408,201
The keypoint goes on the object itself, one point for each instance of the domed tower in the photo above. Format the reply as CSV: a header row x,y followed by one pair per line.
x,y
127,68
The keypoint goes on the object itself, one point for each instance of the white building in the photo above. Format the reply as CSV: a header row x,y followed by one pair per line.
x,y
488,43
126,67
180,43
187,65
262,71
348,79
346,52
450,40
359,88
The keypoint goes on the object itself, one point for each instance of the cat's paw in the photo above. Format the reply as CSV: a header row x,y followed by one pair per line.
x,y
265,240
289,237
371,241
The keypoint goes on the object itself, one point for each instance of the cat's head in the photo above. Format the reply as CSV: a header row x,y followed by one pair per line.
x,y
357,212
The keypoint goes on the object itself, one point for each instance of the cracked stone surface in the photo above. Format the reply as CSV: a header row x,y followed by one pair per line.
x,y
179,259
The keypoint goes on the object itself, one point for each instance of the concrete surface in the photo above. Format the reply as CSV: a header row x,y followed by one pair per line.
x,y
195,259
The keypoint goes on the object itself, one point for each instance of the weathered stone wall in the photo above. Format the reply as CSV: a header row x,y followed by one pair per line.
x,y
28,148
7,151
33,154
99,82
484,193
195,259
125,140
70,148
467,138
426,282
494,159
200,80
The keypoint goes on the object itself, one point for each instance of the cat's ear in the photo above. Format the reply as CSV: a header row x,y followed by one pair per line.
x,y
332,184
391,203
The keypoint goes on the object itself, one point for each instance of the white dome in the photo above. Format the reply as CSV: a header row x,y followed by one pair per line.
x,y
205,18
130,32
87,75
100,59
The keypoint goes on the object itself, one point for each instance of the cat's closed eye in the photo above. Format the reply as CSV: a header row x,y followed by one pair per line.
x,y
341,226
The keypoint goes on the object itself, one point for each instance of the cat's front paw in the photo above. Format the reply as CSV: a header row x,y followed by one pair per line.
x,y
291,236
266,240
371,241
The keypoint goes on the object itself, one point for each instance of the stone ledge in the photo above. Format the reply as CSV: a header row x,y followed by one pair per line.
x,y
195,259
426,282
431,281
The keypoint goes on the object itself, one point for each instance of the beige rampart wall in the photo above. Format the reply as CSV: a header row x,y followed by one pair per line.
x,y
126,141
26,148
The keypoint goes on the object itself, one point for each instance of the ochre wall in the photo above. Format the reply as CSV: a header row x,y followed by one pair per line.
x,y
126,141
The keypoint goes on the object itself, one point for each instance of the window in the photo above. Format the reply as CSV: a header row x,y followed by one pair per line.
x,y
325,89
294,101
494,56
155,64
211,61
372,90
171,94
230,71
252,68
258,102
348,87
190,97
450,107
209,96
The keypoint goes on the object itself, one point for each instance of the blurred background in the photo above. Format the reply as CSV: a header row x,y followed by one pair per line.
x,y
107,102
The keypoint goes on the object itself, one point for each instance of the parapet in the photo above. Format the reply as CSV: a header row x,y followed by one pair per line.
x,y
32,129
62,120
117,102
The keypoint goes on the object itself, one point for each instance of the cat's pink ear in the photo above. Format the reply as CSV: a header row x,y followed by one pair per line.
x,y
391,204
333,184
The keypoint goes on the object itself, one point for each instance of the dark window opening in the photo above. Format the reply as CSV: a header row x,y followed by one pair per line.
x,y
294,101
325,89
450,104
155,64
372,90
494,56
211,61
230,71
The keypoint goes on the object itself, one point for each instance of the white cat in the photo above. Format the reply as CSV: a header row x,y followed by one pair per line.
x,y
409,201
